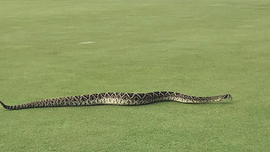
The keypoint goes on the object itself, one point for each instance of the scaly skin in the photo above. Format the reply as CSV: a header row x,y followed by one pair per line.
x,y
112,98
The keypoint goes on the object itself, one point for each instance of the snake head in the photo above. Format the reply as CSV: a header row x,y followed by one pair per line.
x,y
227,96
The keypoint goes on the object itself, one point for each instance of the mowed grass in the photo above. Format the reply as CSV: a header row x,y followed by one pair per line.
x,y
207,47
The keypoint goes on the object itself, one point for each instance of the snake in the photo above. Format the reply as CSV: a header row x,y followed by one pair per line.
x,y
117,98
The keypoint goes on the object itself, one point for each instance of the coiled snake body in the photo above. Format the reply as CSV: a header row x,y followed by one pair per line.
x,y
113,98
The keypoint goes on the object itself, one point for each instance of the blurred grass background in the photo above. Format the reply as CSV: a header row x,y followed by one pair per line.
x,y
205,47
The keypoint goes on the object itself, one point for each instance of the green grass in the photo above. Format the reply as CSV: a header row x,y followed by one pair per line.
x,y
202,48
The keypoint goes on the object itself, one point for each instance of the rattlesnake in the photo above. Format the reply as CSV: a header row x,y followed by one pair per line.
x,y
114,98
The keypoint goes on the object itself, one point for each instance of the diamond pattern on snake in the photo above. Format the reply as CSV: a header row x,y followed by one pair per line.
x,y
116,98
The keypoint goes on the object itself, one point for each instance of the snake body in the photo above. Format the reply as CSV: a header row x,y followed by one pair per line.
x,y
114,98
